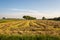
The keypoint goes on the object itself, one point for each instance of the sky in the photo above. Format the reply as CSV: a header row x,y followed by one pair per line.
x,y
35,8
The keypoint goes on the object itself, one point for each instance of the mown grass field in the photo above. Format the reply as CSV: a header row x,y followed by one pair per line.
x,y
29,30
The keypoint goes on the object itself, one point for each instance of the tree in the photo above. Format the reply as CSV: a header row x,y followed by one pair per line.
x,y
43,18
28,17
58,18
3,18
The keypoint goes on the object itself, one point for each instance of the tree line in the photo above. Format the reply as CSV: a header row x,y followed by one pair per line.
x,y
55,18
32,18
25,17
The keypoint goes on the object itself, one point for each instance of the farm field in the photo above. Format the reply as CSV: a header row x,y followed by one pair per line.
x,y
35,29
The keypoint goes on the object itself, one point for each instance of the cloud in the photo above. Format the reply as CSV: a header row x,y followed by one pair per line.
x,y
24,10
18,13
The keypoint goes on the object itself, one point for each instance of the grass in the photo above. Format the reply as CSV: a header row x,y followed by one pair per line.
x,y
2,21
31,37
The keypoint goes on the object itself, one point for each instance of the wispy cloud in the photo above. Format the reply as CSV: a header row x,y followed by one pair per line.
x,y
24,10
35,13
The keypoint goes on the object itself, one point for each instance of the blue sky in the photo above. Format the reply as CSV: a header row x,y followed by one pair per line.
x,y
36,8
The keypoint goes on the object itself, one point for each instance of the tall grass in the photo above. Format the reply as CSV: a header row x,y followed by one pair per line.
x,y
25,37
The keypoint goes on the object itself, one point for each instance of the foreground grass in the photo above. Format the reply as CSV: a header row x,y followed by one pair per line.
x,y
31,37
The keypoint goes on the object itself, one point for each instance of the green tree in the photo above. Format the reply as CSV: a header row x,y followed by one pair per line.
x,y
3,18
28,17
43,18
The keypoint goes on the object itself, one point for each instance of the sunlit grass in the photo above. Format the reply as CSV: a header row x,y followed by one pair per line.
x,y
29,30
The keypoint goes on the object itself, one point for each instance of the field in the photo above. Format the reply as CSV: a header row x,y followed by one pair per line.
x,y
29,30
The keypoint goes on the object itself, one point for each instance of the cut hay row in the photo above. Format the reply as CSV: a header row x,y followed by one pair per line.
x,y
30,27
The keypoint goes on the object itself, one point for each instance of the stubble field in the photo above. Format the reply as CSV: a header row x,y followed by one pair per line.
x,y
30,29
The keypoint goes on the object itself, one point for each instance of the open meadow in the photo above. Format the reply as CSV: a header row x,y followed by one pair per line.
x,y
29,30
